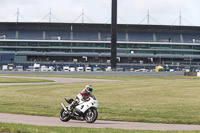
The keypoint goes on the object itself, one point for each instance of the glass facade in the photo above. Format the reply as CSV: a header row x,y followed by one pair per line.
x,y
125,48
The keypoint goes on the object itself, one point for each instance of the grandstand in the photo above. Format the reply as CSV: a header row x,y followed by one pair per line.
x,y
84,43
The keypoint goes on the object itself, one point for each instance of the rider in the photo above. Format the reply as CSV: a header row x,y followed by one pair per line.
x,y
84,94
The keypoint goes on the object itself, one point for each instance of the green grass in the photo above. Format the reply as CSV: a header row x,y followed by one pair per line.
x,y
20,128
142,99
21,80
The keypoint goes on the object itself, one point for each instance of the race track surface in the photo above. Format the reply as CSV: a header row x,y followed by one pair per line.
x,y
55,121
55,79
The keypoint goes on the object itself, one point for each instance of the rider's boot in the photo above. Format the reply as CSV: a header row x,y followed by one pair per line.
x,y
71,108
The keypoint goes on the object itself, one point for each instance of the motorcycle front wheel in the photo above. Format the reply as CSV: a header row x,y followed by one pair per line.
x,y
64,116
91,115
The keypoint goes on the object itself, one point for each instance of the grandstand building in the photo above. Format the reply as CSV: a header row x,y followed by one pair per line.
x,y
84,43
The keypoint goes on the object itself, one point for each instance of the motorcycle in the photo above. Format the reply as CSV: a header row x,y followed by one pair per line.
x,y
85,110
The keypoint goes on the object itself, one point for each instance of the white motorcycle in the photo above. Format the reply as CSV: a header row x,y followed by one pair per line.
x,y
85,110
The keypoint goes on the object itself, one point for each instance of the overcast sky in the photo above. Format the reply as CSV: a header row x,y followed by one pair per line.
x,y
164,12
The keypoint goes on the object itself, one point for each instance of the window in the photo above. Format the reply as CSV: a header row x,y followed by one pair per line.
x,y
2,43
11,43
44,44
87,45
22,43
23,49
123,51
144,46
132,45
107,45
56,44
177,47
196,47
122,46
77,45
33,44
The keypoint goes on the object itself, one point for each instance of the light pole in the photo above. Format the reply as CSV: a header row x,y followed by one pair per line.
x,y
114,36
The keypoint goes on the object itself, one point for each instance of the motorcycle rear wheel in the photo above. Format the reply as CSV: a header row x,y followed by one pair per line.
x,y
91,115
64,116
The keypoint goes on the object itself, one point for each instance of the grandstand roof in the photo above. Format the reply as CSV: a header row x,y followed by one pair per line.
x,y
97,27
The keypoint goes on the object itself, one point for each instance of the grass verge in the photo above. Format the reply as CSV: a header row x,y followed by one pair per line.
x,y
21,80
142,99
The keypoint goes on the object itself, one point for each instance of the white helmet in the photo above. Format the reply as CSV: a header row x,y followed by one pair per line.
x,y
89,88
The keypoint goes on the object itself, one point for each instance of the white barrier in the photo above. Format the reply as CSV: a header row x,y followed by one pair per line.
x,y
198,74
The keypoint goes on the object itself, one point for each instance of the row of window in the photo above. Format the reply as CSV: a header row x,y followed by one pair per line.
x,y
100,45
99,51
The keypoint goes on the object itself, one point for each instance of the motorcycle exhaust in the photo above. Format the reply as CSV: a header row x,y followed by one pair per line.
x,y
64,107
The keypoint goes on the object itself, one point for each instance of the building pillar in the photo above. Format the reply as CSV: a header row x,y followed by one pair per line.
x,y
71,33
17,35
181,38
99,36
154,37
127,38
44,35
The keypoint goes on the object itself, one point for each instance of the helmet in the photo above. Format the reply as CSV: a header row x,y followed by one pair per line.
x,y
89,88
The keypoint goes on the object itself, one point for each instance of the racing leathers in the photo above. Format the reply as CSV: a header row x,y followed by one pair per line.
x,y
84,94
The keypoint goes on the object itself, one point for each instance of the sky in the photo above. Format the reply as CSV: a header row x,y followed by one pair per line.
x,y
164,12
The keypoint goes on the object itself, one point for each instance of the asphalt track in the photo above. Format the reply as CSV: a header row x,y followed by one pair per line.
x,y
55,79
54,121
